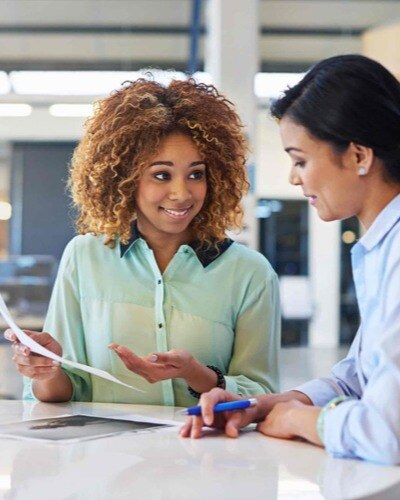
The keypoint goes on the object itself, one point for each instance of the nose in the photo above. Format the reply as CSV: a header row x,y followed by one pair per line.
x,y
294,177
179,190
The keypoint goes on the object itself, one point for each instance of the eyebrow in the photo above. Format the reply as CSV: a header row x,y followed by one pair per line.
x,y
171,164
288,150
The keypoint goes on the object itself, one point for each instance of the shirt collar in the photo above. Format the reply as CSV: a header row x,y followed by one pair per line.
x,y
386,219
205,254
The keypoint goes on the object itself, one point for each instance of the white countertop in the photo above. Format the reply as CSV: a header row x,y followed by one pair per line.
x,y
160,465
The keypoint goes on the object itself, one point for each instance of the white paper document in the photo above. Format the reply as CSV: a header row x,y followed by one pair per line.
x,y
38,349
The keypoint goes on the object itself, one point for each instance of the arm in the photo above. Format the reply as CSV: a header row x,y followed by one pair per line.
x,y
343,380
172,364
65,324
254,368
45,375
369,427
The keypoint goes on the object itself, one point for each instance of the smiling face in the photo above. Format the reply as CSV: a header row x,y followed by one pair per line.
x,y
330,180
172,190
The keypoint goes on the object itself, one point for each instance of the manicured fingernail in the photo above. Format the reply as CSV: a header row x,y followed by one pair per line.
x,y
55,364
153,357
120,350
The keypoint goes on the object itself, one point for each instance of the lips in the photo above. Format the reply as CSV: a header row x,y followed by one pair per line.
x,y
176,213
313,198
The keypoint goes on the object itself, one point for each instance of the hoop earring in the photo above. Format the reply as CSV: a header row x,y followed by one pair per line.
x,y
362,171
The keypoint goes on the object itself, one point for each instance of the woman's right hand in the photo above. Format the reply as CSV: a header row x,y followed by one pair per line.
x,y
33,365
229,421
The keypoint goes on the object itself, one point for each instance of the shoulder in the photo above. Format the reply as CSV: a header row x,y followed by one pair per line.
x,y
389,249
249,257
250,263
85,245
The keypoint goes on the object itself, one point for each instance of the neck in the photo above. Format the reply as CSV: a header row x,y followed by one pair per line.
x,y
164,245
378,198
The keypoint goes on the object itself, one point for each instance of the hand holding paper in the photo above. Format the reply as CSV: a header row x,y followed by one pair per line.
x,y
41,350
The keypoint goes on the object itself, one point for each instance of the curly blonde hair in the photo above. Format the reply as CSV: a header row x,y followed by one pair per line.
x,y
126,131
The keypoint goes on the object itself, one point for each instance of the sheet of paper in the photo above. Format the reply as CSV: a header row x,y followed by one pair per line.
x,y
38,349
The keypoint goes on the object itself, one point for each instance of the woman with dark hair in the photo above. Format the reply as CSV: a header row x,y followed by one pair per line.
x,y
341,128
157,181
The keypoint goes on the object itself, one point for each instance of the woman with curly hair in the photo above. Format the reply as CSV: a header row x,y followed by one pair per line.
x,y
152,290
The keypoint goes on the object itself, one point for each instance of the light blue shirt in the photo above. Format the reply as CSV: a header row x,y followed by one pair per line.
x,y
222,307
368,427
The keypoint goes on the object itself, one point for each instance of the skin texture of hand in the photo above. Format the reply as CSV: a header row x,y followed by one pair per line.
x,y
176,363
292,419
230,421
33,365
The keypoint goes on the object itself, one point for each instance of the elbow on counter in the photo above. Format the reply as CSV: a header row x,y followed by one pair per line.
x,y
385,452
377,444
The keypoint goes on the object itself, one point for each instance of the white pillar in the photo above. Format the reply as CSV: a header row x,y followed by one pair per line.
x,y
231,57
324,271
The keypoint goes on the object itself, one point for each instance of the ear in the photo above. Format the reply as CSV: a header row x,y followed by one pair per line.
x,y
362,158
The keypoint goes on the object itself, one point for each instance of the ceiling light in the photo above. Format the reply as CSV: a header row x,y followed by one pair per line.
x,y
272,85
4,83
71,110
15,109
97,83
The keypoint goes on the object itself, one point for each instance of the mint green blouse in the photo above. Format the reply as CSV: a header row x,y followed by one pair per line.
x,y
223,309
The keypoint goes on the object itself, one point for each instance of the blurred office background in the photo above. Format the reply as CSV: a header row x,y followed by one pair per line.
x,y
57,57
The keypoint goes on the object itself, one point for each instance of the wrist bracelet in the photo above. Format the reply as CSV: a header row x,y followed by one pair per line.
x,y
333,403
220,381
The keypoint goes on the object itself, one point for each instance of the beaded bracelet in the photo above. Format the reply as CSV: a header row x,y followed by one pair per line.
x,y
220,381
333,403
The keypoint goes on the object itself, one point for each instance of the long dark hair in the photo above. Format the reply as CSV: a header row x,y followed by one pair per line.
x,y
347,99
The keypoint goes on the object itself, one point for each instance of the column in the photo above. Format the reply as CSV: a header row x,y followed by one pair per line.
x,y
231,57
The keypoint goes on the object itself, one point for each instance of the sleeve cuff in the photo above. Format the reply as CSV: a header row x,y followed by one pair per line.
x,y
231,385
28,394
334,423
319,391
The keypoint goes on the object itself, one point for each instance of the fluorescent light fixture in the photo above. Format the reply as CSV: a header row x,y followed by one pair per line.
x,y
5,210
101,83
97,83
272,85
15,109
71,110
5,85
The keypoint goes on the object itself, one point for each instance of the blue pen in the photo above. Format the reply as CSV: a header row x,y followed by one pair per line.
x,y
229,406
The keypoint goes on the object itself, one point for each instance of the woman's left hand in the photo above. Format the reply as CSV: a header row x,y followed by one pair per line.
x,y
292,419
156,366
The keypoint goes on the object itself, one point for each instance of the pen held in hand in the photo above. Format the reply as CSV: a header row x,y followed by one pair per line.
x,y
220,407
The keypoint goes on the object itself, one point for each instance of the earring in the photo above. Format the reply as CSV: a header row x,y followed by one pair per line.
x,y
362,171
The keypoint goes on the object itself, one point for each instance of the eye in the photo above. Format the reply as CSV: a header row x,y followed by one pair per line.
x,y
197,175
299,164
162,176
